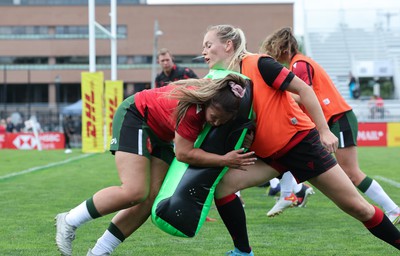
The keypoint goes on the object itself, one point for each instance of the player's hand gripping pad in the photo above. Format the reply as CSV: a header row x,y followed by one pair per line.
x,y
186,194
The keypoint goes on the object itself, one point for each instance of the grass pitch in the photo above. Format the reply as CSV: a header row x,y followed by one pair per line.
x,y
35,186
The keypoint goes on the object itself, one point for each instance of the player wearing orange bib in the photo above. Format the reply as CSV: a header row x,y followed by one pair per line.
x,y
282,45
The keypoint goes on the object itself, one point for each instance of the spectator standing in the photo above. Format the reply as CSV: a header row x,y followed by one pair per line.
x,y
170,71
376,107
10,127
69,130
353,87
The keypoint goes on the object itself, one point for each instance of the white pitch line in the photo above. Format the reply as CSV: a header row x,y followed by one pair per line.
x,y
391,182
33,169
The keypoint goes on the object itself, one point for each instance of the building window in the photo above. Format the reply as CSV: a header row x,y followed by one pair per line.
x,y
5,60
39,32
84,30
188,59
70,93
72,60
24,30
140,59
72,30
31,93
122,60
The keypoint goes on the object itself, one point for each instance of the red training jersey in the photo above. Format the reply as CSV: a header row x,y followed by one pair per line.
x,y
161,116
379,102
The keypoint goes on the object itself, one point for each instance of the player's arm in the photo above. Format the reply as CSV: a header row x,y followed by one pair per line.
x,y
305,72
309,100
185,152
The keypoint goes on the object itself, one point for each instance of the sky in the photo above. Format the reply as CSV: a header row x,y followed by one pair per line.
x,y
358,12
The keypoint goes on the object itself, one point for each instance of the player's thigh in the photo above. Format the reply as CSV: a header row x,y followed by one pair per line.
x,y
158,171
235,179
347,158
133,170
335,184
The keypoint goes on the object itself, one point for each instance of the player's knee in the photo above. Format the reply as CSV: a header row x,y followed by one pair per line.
x,y
134,197
366,212
361,210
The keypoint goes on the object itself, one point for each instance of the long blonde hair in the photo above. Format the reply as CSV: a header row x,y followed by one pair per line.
x,y
208,92
236,35
281,40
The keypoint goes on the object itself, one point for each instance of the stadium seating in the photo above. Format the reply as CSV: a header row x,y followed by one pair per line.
x,y
337,50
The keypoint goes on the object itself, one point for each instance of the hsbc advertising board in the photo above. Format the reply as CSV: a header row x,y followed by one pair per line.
x,y
2,140
372,134
27,141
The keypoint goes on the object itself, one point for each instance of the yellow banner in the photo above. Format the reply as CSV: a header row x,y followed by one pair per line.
x,y
113,98
393,134
92,111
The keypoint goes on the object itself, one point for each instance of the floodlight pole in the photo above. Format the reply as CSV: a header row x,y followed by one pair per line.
x,y
112,35
113,16
92,37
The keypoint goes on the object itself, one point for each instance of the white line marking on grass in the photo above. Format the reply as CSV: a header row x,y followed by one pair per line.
x,y
391,182
33,169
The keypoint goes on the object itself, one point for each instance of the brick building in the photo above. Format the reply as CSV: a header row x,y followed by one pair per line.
x,y
45,46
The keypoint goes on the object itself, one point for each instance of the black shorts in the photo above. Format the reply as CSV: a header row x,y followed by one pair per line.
x,y
345,129
132,134
306,160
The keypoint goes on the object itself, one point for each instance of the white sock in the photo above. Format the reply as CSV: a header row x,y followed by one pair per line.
x,y
78,216
379,196
394,211
287,184
238,193
106,244
274,182
297,187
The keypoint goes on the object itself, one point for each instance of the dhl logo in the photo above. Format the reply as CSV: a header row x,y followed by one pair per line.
x,y
90,112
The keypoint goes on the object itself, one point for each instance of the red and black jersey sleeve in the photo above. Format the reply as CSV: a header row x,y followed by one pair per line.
x,y
188,73
304,71
274,74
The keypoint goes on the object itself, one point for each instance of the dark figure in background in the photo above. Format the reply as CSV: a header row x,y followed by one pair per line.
x,y
10,127
69,130
170,71
353,87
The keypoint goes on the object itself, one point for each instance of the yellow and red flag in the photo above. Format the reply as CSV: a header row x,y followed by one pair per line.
x,y
113,98
92,111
